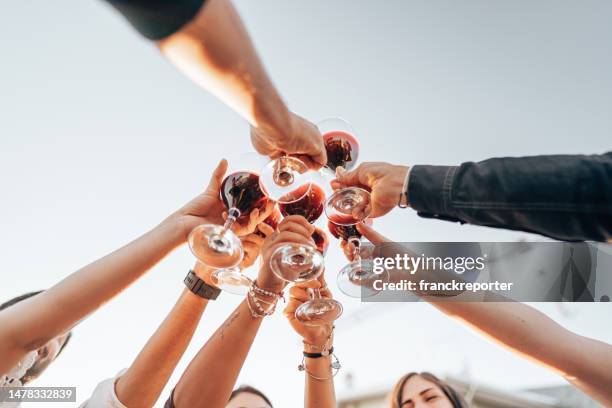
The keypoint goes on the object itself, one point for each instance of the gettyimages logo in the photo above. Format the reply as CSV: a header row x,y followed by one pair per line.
x,y
482,272
412,264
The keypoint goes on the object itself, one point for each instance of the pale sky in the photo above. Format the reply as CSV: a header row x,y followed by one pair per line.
x,y
100,139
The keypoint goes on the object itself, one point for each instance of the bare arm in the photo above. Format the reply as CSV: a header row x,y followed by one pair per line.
x,y
146,378
319,389
144,381
31,323
581,360
210,377
215,51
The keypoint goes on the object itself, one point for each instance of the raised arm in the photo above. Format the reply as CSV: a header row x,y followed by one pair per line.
x,y
566,197
210,377
319,389
583,361
29,324
208,42
143,382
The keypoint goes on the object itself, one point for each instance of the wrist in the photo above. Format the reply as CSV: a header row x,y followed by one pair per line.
x,y
401,177
271,115
317,345
173,228
270,283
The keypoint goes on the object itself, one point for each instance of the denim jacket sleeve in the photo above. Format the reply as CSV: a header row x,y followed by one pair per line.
x,y
566,197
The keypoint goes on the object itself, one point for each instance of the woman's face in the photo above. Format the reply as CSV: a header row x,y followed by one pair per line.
x,y
247,400
421,393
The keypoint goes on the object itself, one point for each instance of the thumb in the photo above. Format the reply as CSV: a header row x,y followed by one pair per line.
x,y
217,176
371,235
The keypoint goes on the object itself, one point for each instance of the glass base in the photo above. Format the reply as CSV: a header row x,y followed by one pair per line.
x,y
214,247
357,279
296,263
319,312
348,206
285,180
231,280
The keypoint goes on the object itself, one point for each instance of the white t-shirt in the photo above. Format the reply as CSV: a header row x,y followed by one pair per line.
x,y
104,396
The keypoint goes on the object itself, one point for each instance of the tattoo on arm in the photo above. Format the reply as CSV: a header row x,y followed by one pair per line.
x,y
227,324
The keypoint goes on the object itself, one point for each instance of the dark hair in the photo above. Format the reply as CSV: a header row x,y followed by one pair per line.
x,y
453,396
18,299
249,390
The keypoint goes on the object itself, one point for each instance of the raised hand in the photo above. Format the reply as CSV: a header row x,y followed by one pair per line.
x,y
293,229
385,181
301,138
299,294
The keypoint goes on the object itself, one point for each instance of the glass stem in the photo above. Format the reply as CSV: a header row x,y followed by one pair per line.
x,y
232,216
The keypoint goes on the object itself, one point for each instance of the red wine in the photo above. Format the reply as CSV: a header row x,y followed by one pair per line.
x,y
345,231
342,150
241,190
273,220
343,219
320,238
310,206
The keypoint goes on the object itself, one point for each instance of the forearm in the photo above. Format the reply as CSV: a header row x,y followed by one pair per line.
x,y
564,197
210,377
534,335
144,381
31,323
319,383
215,51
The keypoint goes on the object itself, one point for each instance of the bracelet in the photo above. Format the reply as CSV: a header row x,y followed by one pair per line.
x,y
264,292
335,365
255,303
323,353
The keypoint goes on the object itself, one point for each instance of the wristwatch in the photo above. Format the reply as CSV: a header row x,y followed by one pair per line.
x,y
200,288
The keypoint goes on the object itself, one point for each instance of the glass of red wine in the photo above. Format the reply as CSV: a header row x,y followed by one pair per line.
x,y
340,144
319,311
356,279
217,245
232,280
295,262
285,179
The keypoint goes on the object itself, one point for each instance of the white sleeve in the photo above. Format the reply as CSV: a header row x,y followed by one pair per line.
x,y
104,396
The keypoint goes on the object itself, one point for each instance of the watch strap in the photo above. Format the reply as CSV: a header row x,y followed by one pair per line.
x,y
200,288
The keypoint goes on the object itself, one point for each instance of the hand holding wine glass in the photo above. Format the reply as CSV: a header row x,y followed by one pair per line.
x,y
206,207
293,230
299,294
253,244
300,138
385,182
250,225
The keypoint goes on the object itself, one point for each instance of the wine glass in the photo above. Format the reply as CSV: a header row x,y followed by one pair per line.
x,y
319,311
357,278
286,179
348,206
217,245
340,143
296,263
